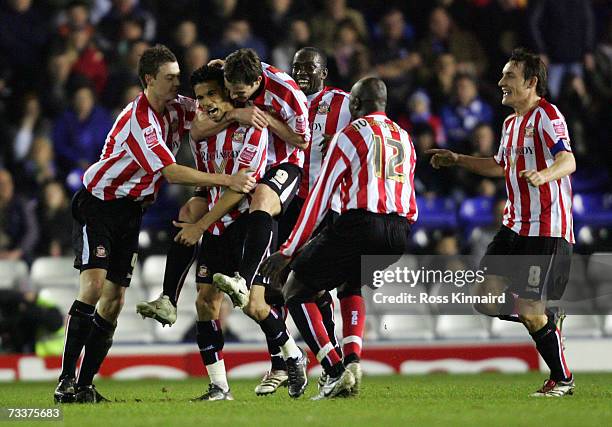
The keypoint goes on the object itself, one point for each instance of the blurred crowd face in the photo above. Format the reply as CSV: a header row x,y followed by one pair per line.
x,y
83,102
440,23
124,6
6,186
446,64
466,91
515,89
186,34
483,140
54,196
165,84
238,31
80,37
130,93
135,53
78,16
336,8
393,25
308,72
280,7
20,6
196,56
300,32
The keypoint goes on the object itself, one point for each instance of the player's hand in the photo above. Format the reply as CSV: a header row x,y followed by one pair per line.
x,y
189,234
442,158
324,144
242,181
251,116
533,177
274,265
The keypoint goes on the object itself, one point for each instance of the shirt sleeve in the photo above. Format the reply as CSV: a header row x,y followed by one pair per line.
x,y
147,147
254,152
190,107
295,113
554,133
335,165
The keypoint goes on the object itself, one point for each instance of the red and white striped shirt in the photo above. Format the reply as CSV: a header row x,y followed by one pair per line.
x,y
372,164
232,149
328,114
531,142
139,145
280,95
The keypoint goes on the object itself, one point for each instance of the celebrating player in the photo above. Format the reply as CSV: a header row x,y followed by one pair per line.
x,y
370,165
108,211
536,160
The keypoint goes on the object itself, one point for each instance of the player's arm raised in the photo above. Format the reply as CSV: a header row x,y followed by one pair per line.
x,y
284,132
486,166
203,127
564,164
178,174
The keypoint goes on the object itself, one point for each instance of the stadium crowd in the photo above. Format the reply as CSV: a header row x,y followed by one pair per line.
x,y
68,67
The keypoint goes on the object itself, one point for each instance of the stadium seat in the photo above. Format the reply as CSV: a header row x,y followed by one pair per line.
x,y
508,330
63,297
608,325
153,273
54,272
476,212
592,209
243,327
406,327
599,273
436,213
603,297
175,333
449,326
12,273
582,326
131,328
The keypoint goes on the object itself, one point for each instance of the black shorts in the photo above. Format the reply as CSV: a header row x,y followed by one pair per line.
x,y
223,253
105,235
537,267
333,257
284,179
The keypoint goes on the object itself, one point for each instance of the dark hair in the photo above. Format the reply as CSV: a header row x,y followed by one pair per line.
x,y
207,73
532,67
242,66
316,53
151,59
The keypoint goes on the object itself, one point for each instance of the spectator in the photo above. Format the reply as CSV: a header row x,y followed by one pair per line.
x,y
483,141
185,36
577,106
129,94
79,132
440,83
445,37
18,226
124,11
564,34
76,15
275,20
23,36
124,74
238,35
394,58
465,111
350,59
419,112
55,221
427,181
195,57
299,37
325,24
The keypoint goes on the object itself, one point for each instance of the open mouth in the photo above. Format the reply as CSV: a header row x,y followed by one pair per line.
x,y
303,82
506,92
212,112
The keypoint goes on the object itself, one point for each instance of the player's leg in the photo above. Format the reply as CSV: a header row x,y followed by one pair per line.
x,y
272,196
273,326
277,375
210,342
178,261
352,307
99,341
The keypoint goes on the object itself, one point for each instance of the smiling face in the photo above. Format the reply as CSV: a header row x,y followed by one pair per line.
x,y
212,99
516,91
165,84
308,72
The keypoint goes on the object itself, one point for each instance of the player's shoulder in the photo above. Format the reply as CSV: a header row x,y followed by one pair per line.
x,y
549,111
284,81
184,103
141,112
336,92
507,120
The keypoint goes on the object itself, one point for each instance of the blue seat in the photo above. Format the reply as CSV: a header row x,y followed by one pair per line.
x,y
590,180
594,210
476,212
436,213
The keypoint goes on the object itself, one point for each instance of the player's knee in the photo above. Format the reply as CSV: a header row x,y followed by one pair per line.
x,y
109,307
256,310
345,290
533,322
208,305
91,289
265,199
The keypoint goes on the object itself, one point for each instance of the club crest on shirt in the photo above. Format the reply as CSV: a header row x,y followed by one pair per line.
x,y
323,108
529,131
202,271
238,135
101,252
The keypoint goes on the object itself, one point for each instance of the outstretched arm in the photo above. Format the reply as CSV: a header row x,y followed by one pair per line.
x,y
485,166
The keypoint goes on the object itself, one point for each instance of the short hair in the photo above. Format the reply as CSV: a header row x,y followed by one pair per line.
x,y
532,67
207,73
242,66
153,58
316,52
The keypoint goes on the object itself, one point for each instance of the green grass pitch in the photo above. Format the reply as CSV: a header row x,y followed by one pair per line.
x,y
438,399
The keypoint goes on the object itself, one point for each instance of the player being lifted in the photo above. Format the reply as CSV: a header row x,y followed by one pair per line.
x,y
370,165
256,85
139,149
536,161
